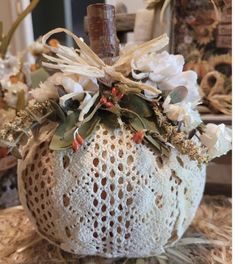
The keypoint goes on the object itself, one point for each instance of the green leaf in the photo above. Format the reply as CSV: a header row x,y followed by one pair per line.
x,y
38,76
150,125
109,119
63,136
58,111
59,141
88,128
178,94
136,104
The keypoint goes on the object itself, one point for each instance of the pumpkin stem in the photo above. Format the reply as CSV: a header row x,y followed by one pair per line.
x,y
102,31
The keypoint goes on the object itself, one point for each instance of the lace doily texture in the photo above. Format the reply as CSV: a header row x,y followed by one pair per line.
x,y
112,198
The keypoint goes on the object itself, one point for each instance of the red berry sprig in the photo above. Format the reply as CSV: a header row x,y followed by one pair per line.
x,y
77,142
138,137
116,93
104,101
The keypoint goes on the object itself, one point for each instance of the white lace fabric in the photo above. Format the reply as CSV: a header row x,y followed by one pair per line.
x,y
112,198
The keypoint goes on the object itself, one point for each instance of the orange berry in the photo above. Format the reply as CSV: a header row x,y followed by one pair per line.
x,y
54,43
75,145
117,93
120,95
138,137
114,91
80,139
103,100
109,104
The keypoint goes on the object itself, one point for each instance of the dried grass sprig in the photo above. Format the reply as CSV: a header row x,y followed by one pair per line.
x,y
180,139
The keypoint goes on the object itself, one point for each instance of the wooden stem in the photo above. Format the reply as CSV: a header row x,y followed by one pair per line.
x,y
102,31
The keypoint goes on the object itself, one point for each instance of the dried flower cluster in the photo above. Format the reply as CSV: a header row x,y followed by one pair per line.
x,y
146,90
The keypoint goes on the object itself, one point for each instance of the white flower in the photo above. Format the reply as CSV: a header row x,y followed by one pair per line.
x,y
164,71
157,66
71,86
11,93
37,48
47,89
187,79
183,111
86,105
77,87
217,139
9,66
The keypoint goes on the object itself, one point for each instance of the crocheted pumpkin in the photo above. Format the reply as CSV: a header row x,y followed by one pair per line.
x,y
112,198
114,166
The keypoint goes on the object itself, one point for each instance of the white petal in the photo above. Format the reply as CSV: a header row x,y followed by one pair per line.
x,y
217,139
75,96
71,86
85,101
88,106
139,76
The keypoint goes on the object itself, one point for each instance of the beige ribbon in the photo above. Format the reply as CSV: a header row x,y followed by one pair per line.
x,y
85,62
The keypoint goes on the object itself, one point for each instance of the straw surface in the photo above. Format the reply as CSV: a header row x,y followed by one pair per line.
x,y
208,240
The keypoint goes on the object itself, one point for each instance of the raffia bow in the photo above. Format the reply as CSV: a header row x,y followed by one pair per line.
x,y
85,62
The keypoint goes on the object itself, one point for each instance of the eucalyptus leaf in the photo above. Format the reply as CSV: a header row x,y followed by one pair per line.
x,y
110,120
137,105
88,128
150,125
136,124
58,111
59,141
38,76
115,110
178,94
63,136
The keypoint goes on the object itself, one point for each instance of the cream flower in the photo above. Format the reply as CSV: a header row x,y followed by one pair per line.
x,y
37,48
9,66
182,112
77,87
217,139
47,89
11,93
187,79
157,66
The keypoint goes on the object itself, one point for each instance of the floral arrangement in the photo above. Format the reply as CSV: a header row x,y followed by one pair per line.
x,y
144,90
